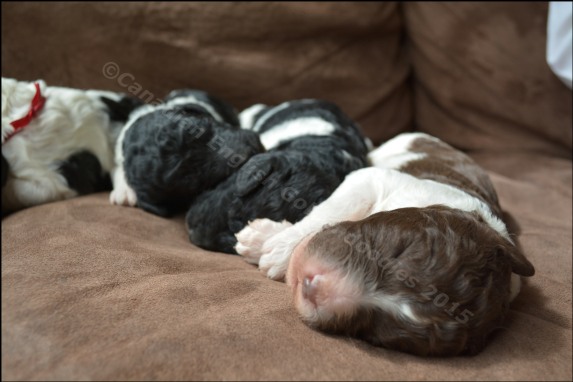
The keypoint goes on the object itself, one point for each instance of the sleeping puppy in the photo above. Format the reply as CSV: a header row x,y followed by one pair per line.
x,y
57,142
410,254
167,154
311,146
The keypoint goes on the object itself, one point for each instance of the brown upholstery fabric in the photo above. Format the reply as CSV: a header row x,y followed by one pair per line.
x,y
100,292
482,80
94,291
245,52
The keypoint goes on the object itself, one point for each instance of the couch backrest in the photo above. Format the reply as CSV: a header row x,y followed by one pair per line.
x,y
481,77
246,53
479,80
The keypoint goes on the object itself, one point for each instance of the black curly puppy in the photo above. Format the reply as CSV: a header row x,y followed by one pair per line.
x,y
311,145
168,154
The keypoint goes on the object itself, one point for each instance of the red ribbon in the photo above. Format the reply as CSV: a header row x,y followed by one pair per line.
x,y
37,104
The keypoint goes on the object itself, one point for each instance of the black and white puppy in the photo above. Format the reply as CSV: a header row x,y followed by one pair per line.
x,y
168,154
411,254
311,146
57,142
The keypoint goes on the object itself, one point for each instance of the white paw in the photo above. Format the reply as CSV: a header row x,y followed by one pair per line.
x,y
276,253
275,263
123,196
250,239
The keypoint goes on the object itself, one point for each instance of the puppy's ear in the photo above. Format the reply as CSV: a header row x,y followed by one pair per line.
x,y
253,173
120,110
519,263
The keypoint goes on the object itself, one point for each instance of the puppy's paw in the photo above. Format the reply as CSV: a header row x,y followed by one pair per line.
x,y
274,262
250,239
277,251
123,196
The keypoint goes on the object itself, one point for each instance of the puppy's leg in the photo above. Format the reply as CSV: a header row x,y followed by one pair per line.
x,y
122,194
40,188
352,200
251,238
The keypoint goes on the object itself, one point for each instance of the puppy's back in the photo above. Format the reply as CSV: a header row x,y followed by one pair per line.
x,y
427,157
297,120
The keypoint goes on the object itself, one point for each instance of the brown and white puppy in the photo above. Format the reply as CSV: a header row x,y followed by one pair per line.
x,y
410,254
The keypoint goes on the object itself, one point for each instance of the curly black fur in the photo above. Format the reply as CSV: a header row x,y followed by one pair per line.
x,y
283,183
176,152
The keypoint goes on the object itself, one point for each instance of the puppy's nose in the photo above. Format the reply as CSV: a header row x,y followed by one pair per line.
x,y
310,289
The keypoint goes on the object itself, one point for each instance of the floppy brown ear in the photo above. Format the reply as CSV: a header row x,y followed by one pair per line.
x,y
519,263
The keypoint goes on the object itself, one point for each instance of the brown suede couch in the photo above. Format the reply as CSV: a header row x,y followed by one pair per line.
x,y
92,291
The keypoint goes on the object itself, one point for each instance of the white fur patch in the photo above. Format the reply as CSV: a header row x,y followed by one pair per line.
x,y
251,238
295,128
400,190
191,99
391,304
122,194
246,117
395,153
265,117
369,144
394,161
347,155
514,286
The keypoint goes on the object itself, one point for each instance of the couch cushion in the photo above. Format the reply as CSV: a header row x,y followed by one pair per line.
x,y
482,80
348,53
101,292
